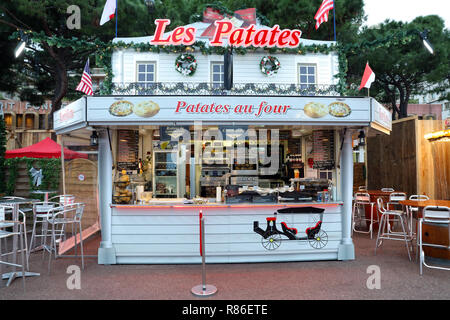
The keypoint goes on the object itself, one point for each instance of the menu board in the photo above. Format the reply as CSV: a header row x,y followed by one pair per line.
x,y
128,149
167,133
323,149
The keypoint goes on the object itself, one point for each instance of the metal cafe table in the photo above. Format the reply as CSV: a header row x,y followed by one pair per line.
x,y
15,203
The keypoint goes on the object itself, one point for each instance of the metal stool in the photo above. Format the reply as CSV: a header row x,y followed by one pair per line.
x,y
389,235
361,200
18,230
439,215
60,217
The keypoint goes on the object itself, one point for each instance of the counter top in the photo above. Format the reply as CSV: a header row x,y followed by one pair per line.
x,y
228,205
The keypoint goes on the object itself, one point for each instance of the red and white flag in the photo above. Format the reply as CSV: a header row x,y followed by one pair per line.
x,y
85,84
322,13
368,77
108,11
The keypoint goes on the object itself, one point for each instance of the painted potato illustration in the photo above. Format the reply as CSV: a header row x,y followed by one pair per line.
x,y
146,109
315,110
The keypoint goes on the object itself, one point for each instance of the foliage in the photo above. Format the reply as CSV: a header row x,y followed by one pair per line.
x,y
51,169
2,153
403,67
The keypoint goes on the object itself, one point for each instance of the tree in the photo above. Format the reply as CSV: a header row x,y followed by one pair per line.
x,y
402,65
46,68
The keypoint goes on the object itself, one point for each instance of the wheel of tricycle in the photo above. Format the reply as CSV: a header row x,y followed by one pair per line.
x,y
320,240
272,242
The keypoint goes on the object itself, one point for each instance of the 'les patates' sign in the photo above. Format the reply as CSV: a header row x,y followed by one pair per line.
x,y
237,36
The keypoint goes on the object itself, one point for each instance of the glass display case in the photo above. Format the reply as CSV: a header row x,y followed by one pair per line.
x,y
165,174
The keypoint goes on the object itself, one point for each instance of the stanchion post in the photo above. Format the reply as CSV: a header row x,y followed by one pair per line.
x,y
203,290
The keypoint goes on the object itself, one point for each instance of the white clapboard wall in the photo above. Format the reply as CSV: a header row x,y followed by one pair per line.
x,y
171,235
245,67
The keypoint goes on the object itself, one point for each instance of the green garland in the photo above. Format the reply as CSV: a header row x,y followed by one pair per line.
x,y
103,51
51,169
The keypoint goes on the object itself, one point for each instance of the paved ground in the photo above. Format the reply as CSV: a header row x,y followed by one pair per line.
x,y
400,279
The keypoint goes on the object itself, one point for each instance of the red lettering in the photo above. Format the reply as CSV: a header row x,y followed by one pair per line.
x,y
260,38
295,38
248,38
237,37
222,29
181,104
273,34
283,36
160,27
190,36
177,35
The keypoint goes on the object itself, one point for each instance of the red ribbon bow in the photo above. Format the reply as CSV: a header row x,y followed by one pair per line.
x,y
210,15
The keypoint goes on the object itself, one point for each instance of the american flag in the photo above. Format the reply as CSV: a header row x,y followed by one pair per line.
x,y
322,13
85,84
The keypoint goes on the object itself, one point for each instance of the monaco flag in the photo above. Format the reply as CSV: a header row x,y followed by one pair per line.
x,y
368,77
108,12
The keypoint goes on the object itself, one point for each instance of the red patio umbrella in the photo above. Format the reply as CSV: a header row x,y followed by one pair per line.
x,y
46,148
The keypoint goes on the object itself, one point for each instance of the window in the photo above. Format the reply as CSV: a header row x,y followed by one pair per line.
x,y
217,74
43,121
146,74
307,76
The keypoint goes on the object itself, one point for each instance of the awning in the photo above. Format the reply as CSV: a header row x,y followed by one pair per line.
x,y
46,148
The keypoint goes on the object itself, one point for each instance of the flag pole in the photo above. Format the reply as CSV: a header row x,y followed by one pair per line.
x,y
334,19
116,18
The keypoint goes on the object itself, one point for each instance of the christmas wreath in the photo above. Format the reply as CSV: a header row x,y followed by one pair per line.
x,y
269,65
186,64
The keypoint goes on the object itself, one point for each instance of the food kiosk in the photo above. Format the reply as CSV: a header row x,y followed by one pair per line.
x,y
274,183
268,162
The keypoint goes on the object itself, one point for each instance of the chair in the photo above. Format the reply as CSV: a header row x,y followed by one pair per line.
x,y
63,199
361,200
10,209
18,230
59,218
438,215
388,234
40,213
410,209
387,189
394,199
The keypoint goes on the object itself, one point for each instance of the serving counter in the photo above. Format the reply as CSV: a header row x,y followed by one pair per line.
x,y
169,232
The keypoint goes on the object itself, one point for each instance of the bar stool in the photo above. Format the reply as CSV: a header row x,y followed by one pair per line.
x,y
40,213
18,230
59,218
389,235
410,210
362,188
394,199
438,215
361,200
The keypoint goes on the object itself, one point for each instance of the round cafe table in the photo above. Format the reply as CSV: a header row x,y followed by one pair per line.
x,y
431,233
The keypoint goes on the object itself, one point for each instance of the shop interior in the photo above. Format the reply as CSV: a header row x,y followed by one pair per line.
x,y
225,164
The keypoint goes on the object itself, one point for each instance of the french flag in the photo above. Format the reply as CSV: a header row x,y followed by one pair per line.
x,y
108,12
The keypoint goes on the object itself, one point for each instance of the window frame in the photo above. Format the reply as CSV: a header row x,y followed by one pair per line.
x,y
145,82
222,72
307,84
